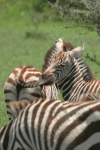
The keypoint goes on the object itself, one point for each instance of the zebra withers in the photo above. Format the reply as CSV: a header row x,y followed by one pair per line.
x,y
54,125
15,91
72,76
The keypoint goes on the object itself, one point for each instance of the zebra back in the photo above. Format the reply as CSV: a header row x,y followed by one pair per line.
x,y
53,124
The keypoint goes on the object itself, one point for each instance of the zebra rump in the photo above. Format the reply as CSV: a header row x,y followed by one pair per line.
x,y
54,125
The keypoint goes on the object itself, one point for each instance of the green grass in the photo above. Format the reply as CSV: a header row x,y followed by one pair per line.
x,y
16,49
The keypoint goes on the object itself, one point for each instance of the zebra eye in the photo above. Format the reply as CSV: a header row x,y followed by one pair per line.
x,y
62,65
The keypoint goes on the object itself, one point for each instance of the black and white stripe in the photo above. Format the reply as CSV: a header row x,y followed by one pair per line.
x,y
54,125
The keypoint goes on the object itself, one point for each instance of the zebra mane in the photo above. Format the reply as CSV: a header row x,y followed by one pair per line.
x,y
47,60
48,57
85,70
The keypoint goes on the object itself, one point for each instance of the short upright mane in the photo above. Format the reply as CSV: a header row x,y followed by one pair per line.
x,y
48,57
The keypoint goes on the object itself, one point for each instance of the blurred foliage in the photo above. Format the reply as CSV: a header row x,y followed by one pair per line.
x,y
80,13
35,17
87,13
39,5
33,12
71,13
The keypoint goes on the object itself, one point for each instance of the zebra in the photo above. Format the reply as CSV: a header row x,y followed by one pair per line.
x,y
54,125
72,76
14,86
15,91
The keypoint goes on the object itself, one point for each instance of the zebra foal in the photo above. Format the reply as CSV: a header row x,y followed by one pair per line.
x,y
72,76
54,125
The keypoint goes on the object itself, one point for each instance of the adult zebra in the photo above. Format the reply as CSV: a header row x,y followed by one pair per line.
x,y
54,125
72,75
14,87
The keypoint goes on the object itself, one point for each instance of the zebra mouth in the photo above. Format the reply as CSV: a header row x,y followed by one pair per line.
x,y
44,80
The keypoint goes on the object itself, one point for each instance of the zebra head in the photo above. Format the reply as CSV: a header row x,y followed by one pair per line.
x,y
60,63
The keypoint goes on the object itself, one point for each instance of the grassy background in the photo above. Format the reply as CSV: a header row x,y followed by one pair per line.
x,y
16,48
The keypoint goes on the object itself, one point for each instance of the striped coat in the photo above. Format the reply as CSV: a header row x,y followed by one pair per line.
x,y
72,76
54,125
15,91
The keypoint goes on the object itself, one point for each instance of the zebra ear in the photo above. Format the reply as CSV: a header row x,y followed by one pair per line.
x,y
77,51
59,44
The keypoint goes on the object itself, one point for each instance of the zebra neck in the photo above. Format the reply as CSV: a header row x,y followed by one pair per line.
x,y
66,84
73,80
73,71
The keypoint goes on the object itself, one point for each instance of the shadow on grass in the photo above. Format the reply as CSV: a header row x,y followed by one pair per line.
x,y
35,34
